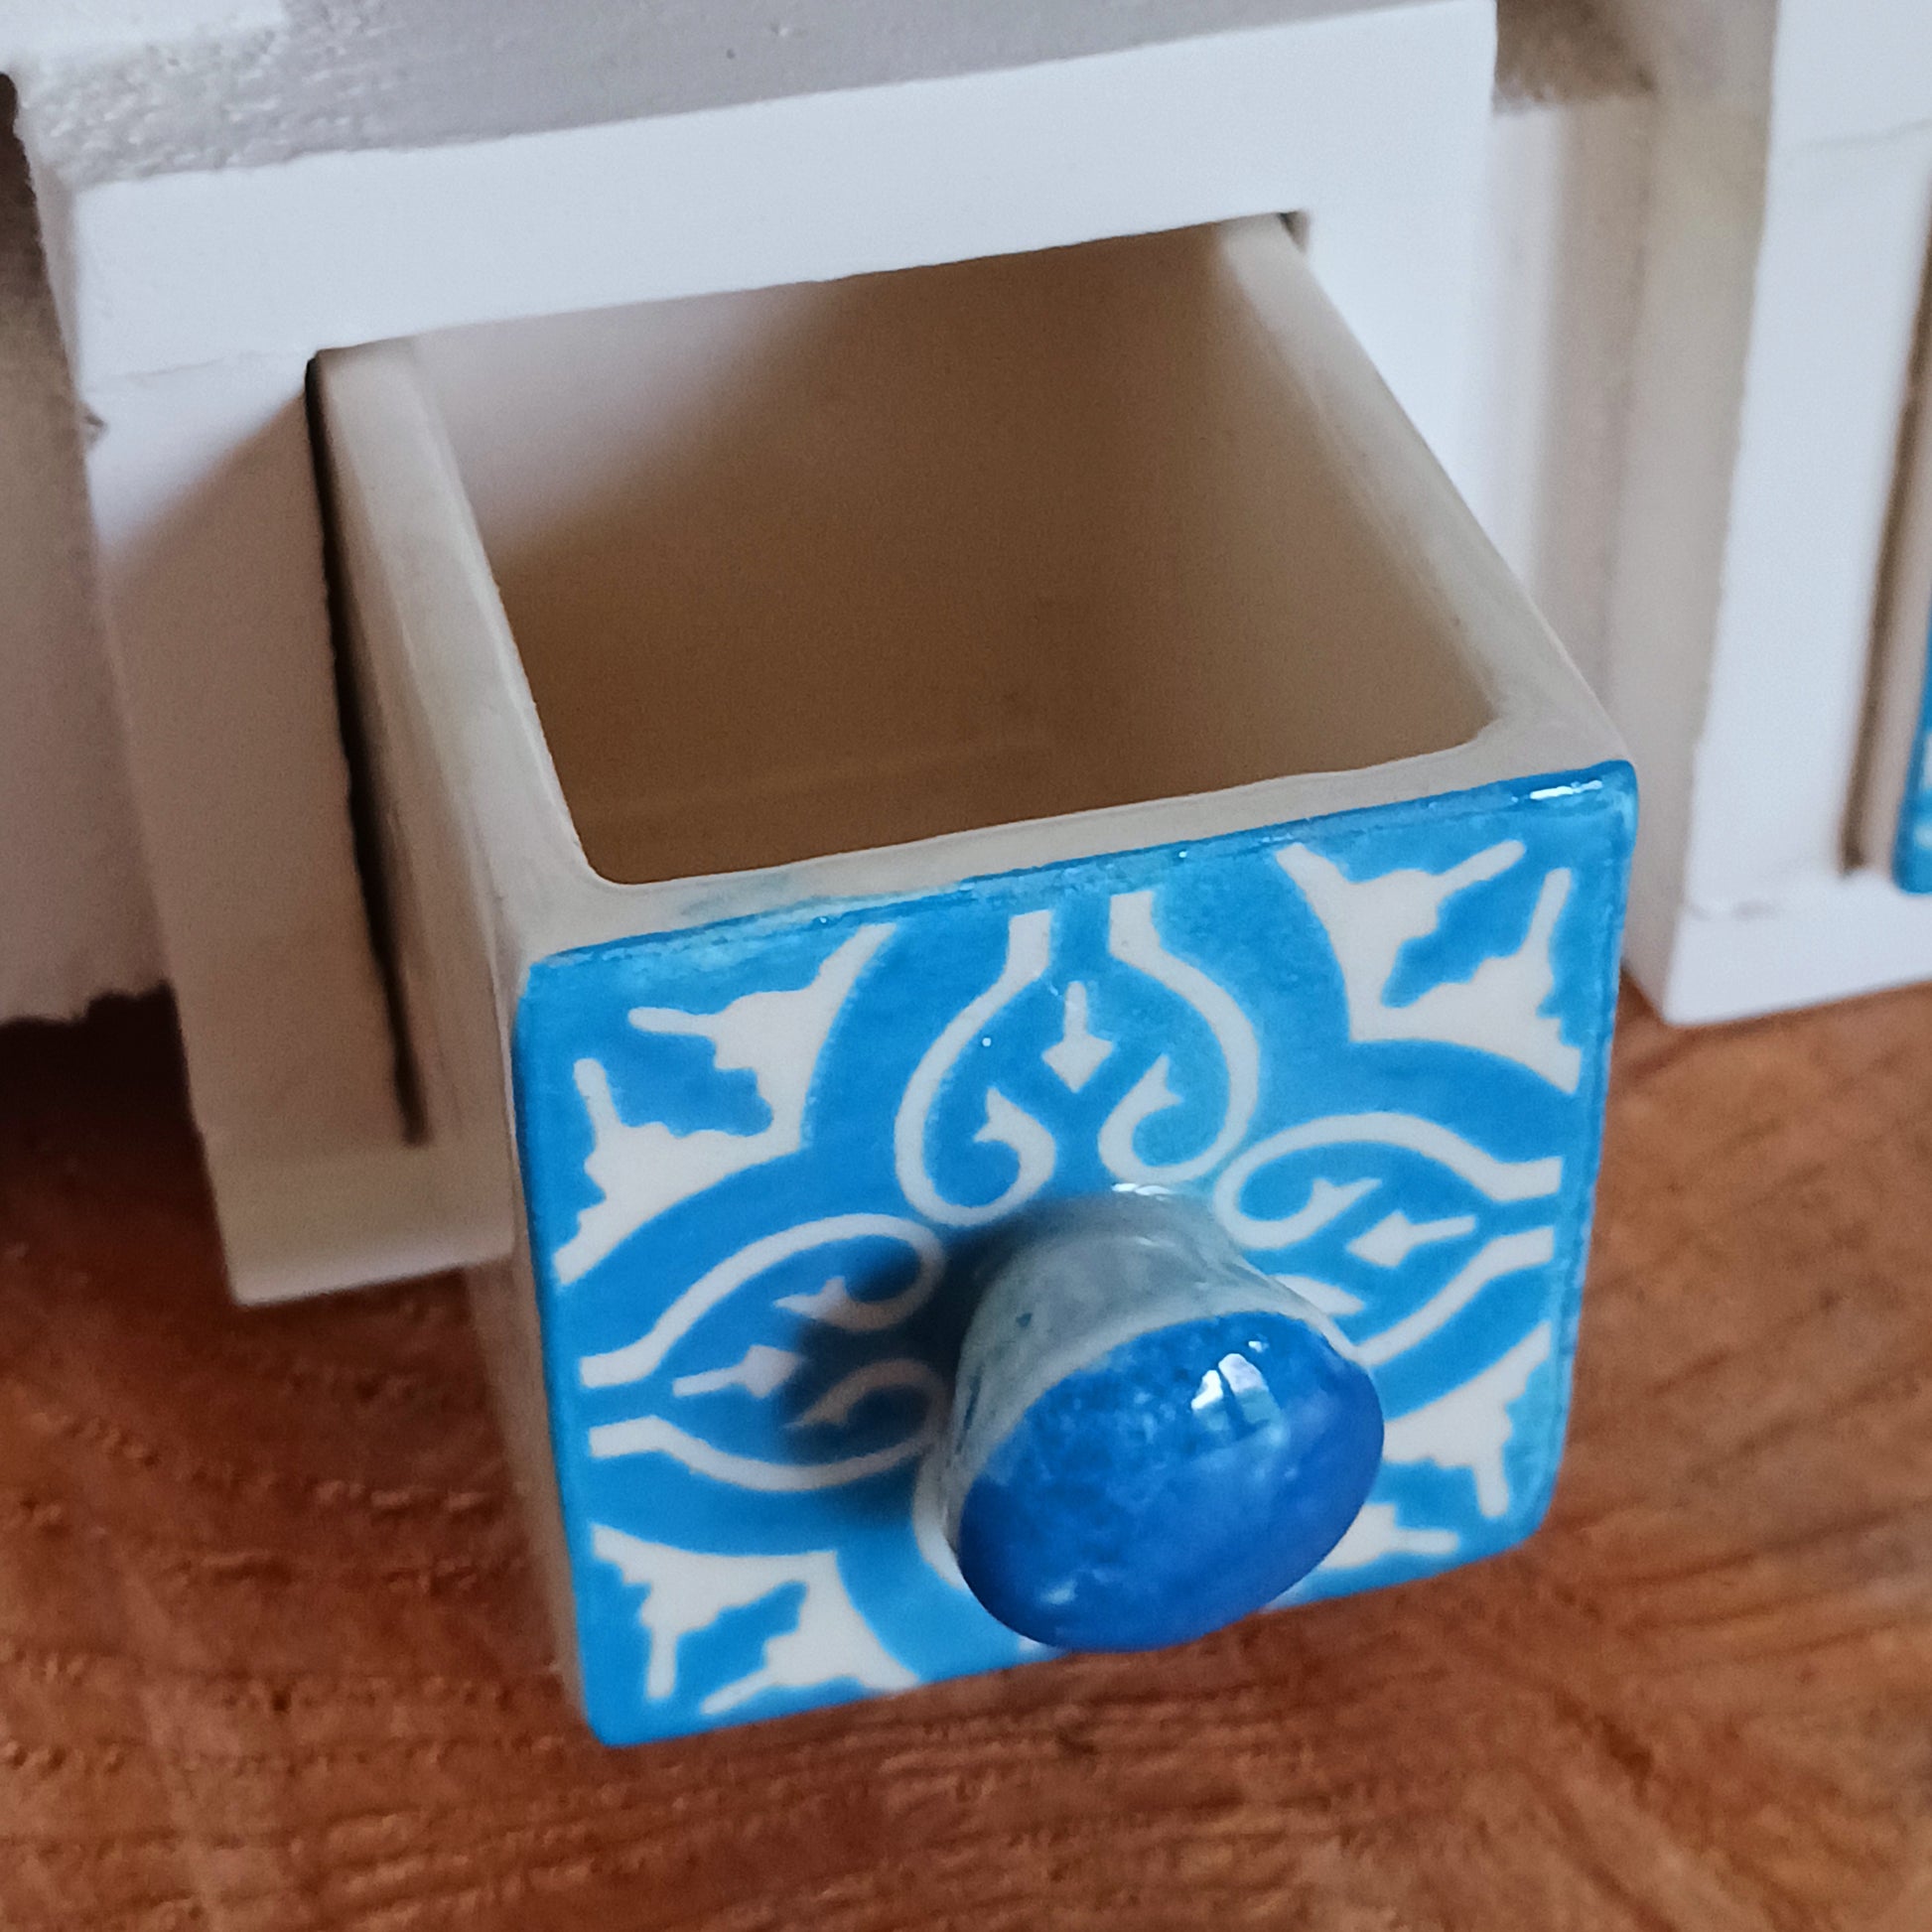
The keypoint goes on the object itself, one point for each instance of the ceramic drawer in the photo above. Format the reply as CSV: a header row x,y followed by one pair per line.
x,y
858,763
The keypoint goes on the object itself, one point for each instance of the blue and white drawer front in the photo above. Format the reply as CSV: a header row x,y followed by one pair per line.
x,y
761,1157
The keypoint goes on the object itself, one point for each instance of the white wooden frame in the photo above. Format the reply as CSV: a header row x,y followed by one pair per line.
x,y
192,304
1785,254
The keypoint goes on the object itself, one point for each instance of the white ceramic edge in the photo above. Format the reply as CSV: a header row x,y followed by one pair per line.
x,y
387,435
1540,705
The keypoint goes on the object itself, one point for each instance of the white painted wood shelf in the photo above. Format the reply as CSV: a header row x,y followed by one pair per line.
x,y
198,270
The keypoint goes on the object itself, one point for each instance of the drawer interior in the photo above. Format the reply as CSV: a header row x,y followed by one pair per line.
x,y
811,569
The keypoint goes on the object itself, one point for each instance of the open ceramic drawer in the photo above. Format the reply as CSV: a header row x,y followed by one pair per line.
x,y
861,761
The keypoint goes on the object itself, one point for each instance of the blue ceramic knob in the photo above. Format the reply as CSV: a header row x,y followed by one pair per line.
x,y
1150,1436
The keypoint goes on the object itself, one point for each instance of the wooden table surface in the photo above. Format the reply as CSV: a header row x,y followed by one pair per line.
x,y
271,1656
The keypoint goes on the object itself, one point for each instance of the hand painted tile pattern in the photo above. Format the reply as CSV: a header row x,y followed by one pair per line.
x,y
1912,855
757,1158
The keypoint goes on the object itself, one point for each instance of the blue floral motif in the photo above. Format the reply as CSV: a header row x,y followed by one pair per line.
x,y
759,1158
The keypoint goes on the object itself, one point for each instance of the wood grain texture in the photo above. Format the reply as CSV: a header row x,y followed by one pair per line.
x,y
271,1657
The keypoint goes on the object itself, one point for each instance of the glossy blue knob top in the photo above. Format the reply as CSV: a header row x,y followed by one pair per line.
x,y
1150,1436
